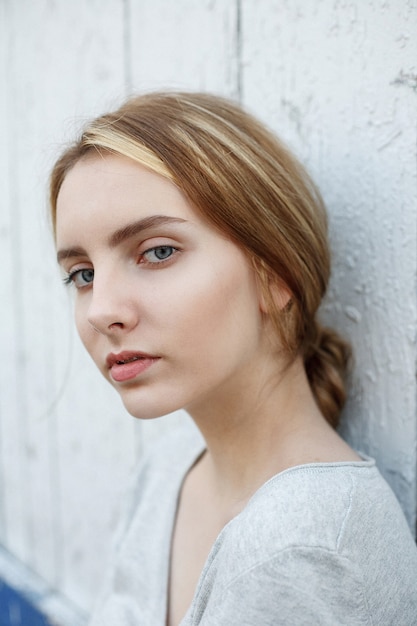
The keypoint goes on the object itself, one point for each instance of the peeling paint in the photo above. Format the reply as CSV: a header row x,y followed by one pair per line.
x,y
388,141
406,80
352,313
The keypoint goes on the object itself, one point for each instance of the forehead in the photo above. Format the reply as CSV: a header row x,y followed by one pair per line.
x,y
112,189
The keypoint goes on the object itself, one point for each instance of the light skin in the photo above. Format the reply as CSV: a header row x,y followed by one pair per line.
x,y
152,276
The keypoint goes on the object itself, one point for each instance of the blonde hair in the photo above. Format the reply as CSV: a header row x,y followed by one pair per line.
x,y
246,183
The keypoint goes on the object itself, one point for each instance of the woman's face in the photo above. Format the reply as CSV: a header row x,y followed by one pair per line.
x,y
167,307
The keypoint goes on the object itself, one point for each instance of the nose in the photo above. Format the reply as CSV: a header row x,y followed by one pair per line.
x,y
111,308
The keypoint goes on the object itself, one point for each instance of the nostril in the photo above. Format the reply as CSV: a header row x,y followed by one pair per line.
x,y
103,326
116,324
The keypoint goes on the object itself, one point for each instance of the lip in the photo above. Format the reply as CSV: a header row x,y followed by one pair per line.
x,y
128,365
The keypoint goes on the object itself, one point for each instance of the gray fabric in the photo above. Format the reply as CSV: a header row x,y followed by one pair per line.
x,y
318,544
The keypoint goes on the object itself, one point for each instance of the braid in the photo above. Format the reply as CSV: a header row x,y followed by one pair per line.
x,y
327,360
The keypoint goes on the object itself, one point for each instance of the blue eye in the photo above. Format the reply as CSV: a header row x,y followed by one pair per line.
x,y
159,254
80,278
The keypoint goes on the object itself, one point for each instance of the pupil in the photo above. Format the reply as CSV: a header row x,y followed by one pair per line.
x,y
87,275
163,252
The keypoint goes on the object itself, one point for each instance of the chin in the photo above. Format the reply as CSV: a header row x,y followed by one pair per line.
x,y
148,410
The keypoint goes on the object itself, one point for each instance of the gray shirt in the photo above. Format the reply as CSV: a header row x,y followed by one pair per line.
x,y
323,543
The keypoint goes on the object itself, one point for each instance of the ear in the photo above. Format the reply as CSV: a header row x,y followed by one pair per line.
x,y
273,292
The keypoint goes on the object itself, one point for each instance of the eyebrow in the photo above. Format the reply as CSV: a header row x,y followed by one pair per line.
x,y
122,234
137,227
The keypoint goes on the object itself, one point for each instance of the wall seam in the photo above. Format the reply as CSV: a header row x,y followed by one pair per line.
x,y
127,47
239,47
3,525
415,344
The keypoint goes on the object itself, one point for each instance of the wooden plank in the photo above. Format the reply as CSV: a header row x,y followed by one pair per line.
x,y
5,242
184,45
336,82
62,65
15,526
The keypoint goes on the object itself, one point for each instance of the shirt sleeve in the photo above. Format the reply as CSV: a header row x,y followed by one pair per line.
x,y
297,587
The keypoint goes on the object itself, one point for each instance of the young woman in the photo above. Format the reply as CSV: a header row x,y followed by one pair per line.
x,y
197,248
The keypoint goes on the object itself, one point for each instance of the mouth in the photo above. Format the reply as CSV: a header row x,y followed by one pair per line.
x,y
123,361
126,357
128,365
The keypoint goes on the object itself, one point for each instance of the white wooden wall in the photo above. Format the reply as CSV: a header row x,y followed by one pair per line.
x,y
337,80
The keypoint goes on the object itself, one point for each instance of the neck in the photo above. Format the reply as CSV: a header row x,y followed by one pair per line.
x,y
256,431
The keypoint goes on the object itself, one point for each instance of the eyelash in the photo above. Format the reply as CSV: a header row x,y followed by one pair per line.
x,y
70,278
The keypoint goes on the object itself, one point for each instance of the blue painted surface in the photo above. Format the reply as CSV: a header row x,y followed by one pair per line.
x,y
16,610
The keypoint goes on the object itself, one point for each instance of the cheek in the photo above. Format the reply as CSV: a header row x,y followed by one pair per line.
x,y
217,309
